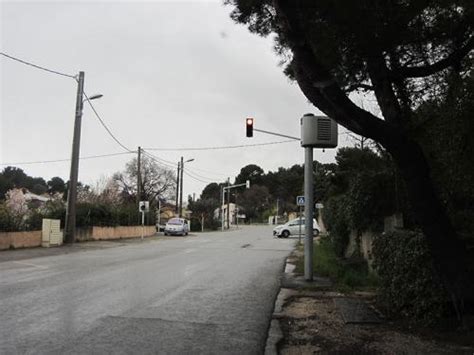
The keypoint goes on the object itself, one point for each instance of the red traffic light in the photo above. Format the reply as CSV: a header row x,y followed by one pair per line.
x,y
249,124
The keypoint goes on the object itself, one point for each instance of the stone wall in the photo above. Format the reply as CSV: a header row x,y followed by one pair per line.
x,y
14,240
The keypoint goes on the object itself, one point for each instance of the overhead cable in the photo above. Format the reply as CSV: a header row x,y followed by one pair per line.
x,y
220,147
38,66
104,125
63,160
170,164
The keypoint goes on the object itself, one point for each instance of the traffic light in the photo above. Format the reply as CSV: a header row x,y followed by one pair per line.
x,y
249,124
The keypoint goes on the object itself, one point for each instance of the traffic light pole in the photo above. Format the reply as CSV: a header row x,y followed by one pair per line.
x,y
276,134
246,184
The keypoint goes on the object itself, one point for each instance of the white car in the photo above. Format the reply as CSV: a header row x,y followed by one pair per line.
x,y
177,226
293,228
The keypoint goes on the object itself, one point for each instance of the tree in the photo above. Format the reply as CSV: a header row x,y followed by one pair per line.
x,y
156,181
251,172
212,191
404,54
56,185
204,208
254,201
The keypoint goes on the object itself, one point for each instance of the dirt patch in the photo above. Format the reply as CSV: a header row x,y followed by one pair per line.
x,y
311,324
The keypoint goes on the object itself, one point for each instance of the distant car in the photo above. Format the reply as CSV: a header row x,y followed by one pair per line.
x,y
177,226
160,227
293,228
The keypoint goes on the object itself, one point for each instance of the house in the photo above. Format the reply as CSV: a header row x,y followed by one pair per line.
x,y
235,216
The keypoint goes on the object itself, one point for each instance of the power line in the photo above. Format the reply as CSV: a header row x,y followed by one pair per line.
x,y
63,160
168,163
221,147
38,66
160,161
104,125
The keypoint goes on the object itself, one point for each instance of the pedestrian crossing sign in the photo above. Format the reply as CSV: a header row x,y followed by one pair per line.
x,y
300,200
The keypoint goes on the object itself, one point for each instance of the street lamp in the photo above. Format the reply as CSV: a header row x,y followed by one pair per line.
x,y
180,213
70,225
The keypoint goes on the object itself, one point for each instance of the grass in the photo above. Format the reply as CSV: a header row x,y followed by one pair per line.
x,y
347,274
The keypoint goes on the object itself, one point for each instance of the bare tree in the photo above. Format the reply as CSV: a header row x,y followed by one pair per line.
x,y
156,181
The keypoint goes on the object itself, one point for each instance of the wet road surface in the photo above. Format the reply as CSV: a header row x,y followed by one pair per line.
x,y
211,293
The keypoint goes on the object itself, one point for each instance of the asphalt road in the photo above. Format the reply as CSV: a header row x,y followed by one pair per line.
x,y
212,293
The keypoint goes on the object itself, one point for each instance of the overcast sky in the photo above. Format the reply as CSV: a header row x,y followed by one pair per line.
x,y
176,74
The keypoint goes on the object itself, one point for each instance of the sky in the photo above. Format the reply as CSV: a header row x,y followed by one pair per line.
x,y
173,75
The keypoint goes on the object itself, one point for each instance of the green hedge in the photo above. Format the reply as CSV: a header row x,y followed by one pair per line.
x,y
408,286
87,214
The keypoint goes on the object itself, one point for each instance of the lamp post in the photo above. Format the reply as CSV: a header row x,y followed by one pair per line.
x,y
181,186
70,225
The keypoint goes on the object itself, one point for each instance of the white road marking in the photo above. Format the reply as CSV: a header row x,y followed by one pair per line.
x,y
32,265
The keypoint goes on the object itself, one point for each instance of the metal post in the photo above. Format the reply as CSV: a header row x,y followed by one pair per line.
x,y
276,221
202,222
299,235
308,214
228,204
143,223
177,190
70,226
181,190
222,208
159,213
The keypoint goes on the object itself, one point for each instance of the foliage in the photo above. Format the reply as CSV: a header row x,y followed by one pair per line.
x,y
255,201
250,172
362,191
7,221
56,185
12,177
408,286
212,191
347,275
206,208
335,218
446,129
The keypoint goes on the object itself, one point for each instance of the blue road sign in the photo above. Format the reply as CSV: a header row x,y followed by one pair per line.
x,y
300,200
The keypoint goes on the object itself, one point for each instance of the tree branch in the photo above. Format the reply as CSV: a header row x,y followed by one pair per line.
x,y
318,85
427,70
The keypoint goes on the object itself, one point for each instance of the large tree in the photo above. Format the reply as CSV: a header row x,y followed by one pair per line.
x,y
404,53
156,181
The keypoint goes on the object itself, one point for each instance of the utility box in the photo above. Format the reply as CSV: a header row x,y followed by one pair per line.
x,y
318,131
52,235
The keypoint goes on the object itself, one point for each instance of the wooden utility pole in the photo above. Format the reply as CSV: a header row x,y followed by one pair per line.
x,y
177,190
72,191
180,212
139,176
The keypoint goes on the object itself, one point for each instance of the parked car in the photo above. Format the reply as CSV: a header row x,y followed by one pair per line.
x,y
177,226
293,228
160,227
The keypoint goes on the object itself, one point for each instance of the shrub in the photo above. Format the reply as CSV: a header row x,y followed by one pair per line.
x,y
7,222
335,217
408,286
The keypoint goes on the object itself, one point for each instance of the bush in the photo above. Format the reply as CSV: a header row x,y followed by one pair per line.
x,y
408,286
7,221
335,217
347,274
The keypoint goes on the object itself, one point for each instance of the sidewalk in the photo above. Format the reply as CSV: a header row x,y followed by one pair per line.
x,y
311,318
